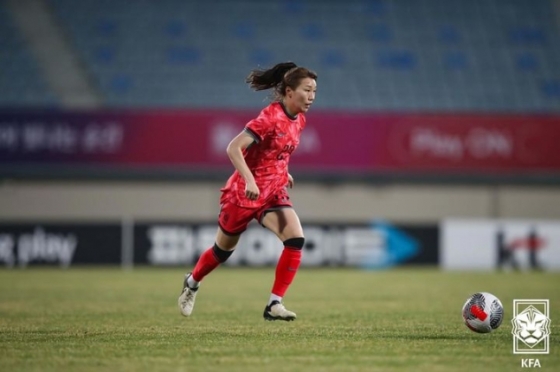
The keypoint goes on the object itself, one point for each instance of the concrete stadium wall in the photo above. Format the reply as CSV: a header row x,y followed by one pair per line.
x,y
314,202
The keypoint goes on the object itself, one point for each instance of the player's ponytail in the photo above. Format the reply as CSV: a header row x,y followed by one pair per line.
x,y
267,79
279,77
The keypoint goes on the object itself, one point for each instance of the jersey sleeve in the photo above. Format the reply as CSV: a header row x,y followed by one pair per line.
x,y
260,127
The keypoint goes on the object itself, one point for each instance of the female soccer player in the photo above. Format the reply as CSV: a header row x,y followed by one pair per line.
x,y
258,187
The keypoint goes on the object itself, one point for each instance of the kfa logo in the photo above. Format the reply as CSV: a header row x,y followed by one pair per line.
x,y
531,329
530,363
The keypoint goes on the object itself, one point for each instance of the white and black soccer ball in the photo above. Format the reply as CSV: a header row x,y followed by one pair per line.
x,y
483,312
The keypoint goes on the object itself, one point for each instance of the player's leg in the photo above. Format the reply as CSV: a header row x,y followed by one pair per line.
x,y
208,261
214,256
285,223
232,222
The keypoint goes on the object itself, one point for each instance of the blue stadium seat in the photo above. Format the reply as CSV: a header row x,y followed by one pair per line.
x,y
396,59
121,83
244,30
332,58
175,28
551,88
527,35
376,7
449,35
294,6
381,33
527,61
312,32
105,54
106,27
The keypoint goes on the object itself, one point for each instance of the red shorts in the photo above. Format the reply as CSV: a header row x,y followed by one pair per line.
x,y
233,219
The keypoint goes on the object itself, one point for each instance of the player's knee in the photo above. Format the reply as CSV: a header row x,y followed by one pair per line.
x,y
221,254
294,243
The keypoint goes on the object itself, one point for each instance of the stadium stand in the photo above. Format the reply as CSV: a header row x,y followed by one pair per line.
x,y
21,83
419,55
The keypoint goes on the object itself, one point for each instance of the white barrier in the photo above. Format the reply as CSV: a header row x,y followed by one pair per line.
x,y
479,244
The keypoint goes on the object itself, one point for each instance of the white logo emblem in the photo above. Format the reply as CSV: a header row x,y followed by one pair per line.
x,y
531,327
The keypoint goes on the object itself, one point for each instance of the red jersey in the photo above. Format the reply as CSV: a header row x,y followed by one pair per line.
x,y
276,136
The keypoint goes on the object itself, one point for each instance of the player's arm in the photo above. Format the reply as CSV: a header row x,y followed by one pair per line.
x,y
235,152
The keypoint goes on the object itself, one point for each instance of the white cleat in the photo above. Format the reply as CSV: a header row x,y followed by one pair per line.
x,y
187,297
277,311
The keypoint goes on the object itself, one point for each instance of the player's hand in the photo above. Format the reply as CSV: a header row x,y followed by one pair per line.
x,y
290,181
252,192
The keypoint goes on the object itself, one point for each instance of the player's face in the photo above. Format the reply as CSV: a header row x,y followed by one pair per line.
x,y
303,96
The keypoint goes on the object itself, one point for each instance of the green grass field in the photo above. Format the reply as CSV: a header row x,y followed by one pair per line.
x,y
91,319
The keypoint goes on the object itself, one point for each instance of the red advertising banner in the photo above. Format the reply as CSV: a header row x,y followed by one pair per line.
x,y
333,142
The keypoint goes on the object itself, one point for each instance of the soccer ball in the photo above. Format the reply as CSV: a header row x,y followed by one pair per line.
x,y
483,312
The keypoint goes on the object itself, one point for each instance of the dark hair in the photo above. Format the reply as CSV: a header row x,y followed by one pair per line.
x,y
279,77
